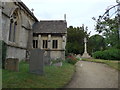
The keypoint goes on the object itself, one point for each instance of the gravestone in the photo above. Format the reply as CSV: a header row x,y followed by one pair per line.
x,y
47,58
36,64
12,64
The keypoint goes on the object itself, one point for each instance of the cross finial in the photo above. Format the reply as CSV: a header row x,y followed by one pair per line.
x,y
32,9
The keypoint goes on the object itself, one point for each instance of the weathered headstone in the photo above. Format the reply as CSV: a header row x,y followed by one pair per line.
x,y
47,58
36,64
12,64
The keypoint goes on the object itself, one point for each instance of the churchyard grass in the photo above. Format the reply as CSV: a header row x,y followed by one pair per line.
x,y
54,77
112,63
0,78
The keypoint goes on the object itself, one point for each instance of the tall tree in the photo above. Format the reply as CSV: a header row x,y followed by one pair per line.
x,y
109,30
96,43
75,39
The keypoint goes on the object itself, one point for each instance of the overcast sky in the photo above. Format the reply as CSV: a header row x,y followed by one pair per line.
x,y
77,12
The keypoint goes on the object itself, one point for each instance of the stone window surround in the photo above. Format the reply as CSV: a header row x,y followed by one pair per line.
x,y
35,43
39,36
11,43
12,30
45,44
13,25
54,44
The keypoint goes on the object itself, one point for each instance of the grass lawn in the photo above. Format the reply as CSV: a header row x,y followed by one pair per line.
x,y
0,78
112,63
55,77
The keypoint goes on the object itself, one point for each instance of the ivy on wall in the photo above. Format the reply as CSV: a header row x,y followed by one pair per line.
x,y
3,49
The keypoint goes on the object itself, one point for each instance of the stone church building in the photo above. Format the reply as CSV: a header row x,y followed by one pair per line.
x,y
51,36
21,31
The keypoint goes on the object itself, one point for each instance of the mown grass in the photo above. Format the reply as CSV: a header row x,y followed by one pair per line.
x,y
0,78
54,77
114,64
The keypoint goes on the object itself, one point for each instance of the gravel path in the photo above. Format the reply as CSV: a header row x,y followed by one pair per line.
x,y
94,75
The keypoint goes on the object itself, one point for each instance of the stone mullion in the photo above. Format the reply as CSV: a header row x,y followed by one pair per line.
x,y
39,42
49,42
63,42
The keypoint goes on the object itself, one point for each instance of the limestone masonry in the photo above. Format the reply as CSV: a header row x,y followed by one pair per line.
x,y
21,31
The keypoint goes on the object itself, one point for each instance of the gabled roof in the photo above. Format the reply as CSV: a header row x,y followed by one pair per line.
x,y
50,26
27,9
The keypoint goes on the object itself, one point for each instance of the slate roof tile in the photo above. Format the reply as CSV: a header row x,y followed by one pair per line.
x,y
50,26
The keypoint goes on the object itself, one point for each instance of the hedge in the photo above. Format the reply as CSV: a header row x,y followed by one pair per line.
x,y
111,54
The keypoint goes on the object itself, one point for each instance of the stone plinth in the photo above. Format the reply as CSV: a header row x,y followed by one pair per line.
x,y
86,55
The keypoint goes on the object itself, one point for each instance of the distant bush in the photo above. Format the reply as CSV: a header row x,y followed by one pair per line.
x,y
71,59
56,61
111,54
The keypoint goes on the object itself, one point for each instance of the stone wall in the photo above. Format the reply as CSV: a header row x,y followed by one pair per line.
x,y
0,20
61,41
13,52
54,53
53,38
57,54
0,41
18,48
5,28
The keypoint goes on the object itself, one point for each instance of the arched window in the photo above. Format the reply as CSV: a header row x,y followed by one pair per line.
x,y
13,26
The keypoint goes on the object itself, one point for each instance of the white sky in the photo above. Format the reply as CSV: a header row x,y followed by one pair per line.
x,y
77,12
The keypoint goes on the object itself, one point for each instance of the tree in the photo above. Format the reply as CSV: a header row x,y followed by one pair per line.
x,y
75,37
109,30
96,43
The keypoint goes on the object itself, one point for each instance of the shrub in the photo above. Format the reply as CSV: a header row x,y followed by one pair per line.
x,y
111,54
71,60
56,61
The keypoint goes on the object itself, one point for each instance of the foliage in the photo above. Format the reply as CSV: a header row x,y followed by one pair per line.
x,y
96,43
75,37
111,54
3,49
109,29
54,77
71,60
57,60
114,64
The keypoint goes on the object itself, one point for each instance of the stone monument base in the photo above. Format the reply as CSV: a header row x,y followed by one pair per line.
x,y
86,55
